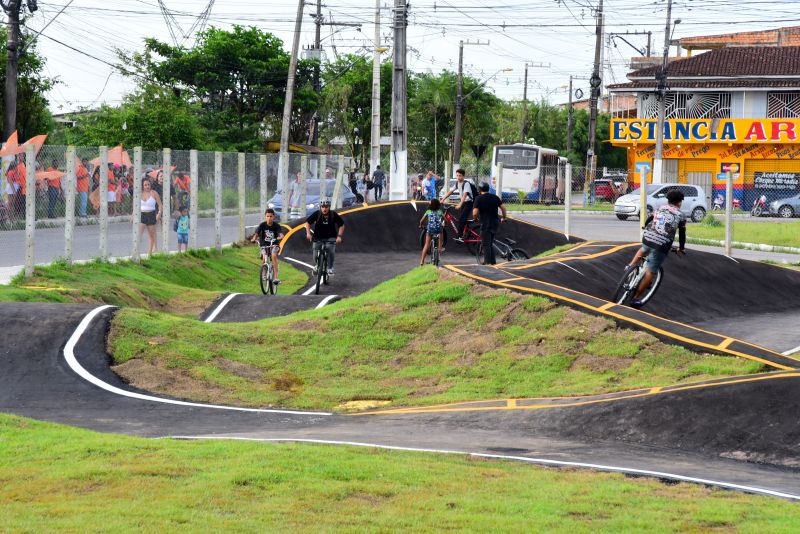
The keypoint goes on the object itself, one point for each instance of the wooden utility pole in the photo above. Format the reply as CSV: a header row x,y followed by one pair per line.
x,y
658,160
12,9
595,82
398,181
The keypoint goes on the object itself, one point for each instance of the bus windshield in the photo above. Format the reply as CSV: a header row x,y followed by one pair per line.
x,y
517,157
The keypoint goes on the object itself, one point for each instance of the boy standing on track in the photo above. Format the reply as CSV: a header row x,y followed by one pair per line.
x,y
266,232
485,210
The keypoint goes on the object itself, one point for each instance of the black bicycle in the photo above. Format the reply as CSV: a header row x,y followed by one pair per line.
x,y
267,276
322,267
629,284
504,248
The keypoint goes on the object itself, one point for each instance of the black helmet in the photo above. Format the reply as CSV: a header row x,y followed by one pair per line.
x,y
484,187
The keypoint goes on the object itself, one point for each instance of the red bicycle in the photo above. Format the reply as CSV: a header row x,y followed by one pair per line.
x,y
469,236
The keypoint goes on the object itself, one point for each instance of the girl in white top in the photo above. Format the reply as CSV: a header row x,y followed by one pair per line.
x,y
151,214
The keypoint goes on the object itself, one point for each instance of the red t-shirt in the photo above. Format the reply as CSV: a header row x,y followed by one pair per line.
x,y
83,179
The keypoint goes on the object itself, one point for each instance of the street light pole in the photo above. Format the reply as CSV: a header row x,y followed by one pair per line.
x,y
595,82
398,177
569,119
460,102
375,149
658,161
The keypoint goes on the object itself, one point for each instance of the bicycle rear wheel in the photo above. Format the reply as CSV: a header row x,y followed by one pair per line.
x,y
654,285
435,254
266,283
519,254
626,288
479,253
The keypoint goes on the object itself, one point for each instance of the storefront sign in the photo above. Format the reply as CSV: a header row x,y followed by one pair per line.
x,y
707,131
776,180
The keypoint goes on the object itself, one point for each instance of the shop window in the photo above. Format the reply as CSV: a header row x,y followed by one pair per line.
x,y
783,105
688,105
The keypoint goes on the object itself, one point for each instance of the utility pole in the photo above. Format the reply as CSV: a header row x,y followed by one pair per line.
x,y
283,156
524,133
13,8
595,82
658,161
569,119
317,85
375,149
398,176
460,101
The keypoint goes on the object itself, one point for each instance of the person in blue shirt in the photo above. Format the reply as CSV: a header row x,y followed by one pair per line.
x,y
429,186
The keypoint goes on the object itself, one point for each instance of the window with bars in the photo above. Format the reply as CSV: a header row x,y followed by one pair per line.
x,y
783,105
688,105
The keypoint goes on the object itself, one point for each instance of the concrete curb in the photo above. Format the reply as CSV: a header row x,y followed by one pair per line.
x,y
746,246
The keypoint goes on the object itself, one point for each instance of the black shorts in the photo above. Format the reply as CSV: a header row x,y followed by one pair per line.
x,y
148,218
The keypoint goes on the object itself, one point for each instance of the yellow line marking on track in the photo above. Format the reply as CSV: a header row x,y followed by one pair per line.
x,y
515,406
727,343
45,288
627,319
512,279
604,307
573,258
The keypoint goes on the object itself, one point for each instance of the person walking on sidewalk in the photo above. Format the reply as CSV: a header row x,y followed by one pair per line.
x,y
486,210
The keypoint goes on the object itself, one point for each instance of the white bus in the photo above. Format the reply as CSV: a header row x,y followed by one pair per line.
x,y
528,168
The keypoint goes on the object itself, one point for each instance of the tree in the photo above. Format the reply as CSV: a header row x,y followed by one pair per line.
x,y
33,116
237,78
347,103
152,118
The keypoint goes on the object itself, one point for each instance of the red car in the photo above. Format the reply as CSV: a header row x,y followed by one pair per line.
x,y
604,189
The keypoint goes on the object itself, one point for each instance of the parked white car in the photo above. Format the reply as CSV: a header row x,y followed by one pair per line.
x,y
694,201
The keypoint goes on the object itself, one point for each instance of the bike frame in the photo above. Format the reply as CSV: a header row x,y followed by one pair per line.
x,y
468,235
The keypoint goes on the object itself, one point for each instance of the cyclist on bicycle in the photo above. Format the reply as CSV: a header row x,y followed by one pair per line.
x,y
467,192
268,234
659,234
328,229
435,223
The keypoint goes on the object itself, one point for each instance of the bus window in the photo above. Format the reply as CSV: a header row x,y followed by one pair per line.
x,y
518,158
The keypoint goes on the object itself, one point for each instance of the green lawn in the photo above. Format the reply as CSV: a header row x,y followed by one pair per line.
x,y
777,233
422,338
178,283
63,479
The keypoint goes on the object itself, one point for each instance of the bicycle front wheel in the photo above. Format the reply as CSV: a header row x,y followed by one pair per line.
x,y
435,255
264,279
320,271
653,286
626,288
519,254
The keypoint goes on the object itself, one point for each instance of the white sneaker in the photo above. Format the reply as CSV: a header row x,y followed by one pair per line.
x,y
330,272
314,270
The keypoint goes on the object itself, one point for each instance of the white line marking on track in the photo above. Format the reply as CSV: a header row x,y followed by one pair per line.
x,y
218,309
325,301
310,290
69,356
568,267
791,351
732,259
414,205
540,461
304,264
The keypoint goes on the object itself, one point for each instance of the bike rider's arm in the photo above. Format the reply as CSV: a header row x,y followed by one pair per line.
x,y
504,212
475,214
422,220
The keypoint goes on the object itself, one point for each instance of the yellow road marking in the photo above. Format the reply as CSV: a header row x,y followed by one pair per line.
x,y
627,319
573,258
512,279
45,288
727,343
511,404
606,306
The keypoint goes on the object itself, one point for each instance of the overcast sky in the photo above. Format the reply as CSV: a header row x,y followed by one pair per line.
x,y
557,35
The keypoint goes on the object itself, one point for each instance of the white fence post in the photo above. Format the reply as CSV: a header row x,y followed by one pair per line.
x,y
568,200
166,211
30,207
728,212
284,168
193,188
337,188
321,168
69,207
303,185
218,200
136,202
242,207
500,180
103,192
262,185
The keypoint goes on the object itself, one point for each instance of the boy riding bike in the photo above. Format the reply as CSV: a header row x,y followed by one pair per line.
x,y
268,234
328,231
659,234
435,223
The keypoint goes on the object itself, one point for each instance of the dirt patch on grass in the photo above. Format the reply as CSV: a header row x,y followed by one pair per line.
x,y
244,370
173,382
601,364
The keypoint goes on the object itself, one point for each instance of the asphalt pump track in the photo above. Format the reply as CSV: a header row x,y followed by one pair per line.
x,y
741,433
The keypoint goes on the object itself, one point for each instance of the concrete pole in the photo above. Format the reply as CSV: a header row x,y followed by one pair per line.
x,y
658,160
12,63
323,164
595,82
285,185
569,119
499,187
303,185
262,185
642,200
375,148
218,200
194,177
337,188
103,192
242,206
398,175
524,130
166,211
568,200
30,207
283,156
136,201
728,213
69,215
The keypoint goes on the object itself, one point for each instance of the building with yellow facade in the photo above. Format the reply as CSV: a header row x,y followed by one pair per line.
x,y
733,109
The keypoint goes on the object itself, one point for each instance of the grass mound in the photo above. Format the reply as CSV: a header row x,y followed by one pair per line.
x,y
179,283
123,484
422,338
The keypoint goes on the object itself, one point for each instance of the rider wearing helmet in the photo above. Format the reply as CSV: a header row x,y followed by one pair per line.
x,y
327,228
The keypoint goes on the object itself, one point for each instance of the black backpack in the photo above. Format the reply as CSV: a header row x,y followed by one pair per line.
x,y
473,189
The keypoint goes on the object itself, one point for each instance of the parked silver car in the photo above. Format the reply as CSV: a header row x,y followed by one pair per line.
x,y
785,207
694,202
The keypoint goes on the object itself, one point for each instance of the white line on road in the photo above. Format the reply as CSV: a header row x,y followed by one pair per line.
x,y
568,267
792,351
540,461
325,301
310,290
218,309
304,264
72,361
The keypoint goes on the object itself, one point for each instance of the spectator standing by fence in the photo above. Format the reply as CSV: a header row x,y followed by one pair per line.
x,y
53,189
82,186
378,178
151,214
